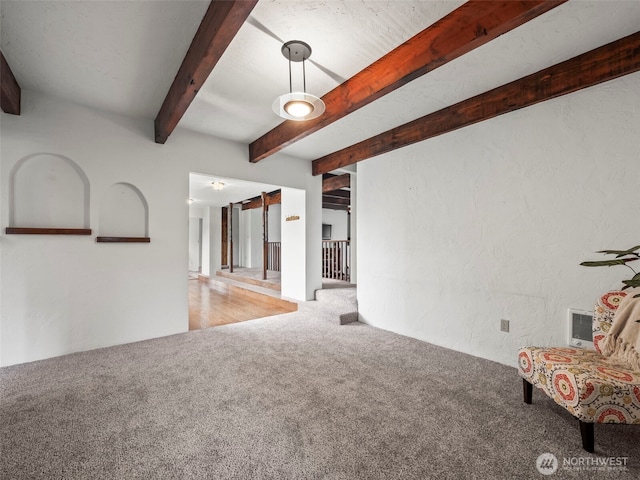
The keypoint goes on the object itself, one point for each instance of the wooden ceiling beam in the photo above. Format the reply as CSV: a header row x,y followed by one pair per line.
x,y
332,206
470,26
255,202
336,200
336,182
273,198
337,193
10,91
219,26
602,64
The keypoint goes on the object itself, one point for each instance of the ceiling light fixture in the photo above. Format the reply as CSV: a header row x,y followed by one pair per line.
x,y
298,105
217,185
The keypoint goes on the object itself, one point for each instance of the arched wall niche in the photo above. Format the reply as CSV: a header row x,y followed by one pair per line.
x,y
124,214
48,193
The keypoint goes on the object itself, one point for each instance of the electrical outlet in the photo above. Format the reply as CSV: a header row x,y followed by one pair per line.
x,y
504,325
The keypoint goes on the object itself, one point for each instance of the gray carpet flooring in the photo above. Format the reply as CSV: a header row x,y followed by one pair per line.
x,y
293,396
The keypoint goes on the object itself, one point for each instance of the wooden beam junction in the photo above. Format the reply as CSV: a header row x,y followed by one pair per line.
x,y
219,26
335,200
470,26
336,182
272,198
338,194
602,64
332,206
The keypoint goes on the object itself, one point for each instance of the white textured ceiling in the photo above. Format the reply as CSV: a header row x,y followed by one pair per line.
x,y
234,191
119,56
122,56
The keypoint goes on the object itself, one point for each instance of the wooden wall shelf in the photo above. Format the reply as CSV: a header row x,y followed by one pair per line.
x,y
47,231
123,239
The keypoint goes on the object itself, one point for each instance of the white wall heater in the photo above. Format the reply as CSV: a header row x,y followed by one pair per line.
x,y
580,333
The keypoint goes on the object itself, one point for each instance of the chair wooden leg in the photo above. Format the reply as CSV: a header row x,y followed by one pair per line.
x,y
587,432
527,390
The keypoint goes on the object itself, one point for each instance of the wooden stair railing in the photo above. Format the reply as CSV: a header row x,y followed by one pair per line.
x,y
336,259
273,257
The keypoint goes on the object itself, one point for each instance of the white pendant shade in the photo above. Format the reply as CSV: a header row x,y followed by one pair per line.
x,y
298,106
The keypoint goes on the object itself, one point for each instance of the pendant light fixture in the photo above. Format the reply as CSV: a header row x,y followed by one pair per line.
x,y
297,105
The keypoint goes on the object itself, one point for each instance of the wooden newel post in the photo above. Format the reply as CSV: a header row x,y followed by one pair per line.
x,y
265,235
231,238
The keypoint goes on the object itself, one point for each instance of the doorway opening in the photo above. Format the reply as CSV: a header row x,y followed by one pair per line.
x,y
337,258
241,251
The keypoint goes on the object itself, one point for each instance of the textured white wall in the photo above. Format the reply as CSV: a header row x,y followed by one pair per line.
x,y
236,235
293,261
196,215
215,240
313,235
250,226
492,221
123,212
195,253
338,221
256,238
244,228
49,190
205,261
61,294
354,228
274,223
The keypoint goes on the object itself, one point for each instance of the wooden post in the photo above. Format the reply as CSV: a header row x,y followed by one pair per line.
x,y
265,235
231,238
224,241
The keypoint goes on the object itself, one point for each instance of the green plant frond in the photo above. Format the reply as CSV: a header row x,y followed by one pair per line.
x,y
623,257
608,263
621,253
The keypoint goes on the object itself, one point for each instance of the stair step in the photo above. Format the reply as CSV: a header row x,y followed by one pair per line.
x,y
249,280
342,303
348,318
267,295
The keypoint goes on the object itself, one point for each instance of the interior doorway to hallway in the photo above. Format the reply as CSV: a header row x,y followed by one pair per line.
x,y
195,245
338,257
240,241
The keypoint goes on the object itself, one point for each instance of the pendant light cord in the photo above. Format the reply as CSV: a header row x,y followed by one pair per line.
x,y
304,74
304,78
290,83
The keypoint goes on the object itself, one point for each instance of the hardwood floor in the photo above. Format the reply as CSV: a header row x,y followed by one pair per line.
x,y
215,303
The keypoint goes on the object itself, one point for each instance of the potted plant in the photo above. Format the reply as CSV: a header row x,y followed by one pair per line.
x,y
622,257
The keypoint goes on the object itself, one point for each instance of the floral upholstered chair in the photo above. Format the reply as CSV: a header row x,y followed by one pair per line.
x,y
589,385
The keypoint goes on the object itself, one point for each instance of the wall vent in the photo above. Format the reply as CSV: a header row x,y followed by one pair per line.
x,y
580,328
